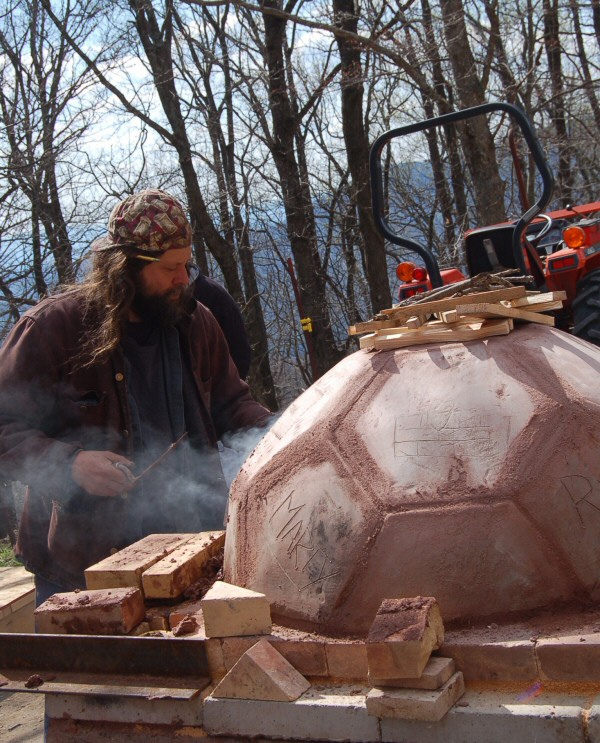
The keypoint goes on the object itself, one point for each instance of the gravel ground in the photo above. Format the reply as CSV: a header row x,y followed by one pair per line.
x,y
21,718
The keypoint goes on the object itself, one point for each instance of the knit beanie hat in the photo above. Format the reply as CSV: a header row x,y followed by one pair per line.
x,y
150,221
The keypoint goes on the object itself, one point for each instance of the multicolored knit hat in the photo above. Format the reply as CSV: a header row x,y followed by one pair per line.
x,y
151,221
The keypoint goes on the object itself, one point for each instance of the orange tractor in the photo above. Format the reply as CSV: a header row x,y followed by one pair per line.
x,y
560,249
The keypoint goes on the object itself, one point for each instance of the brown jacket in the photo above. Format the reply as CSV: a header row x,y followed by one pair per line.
x,y
49,410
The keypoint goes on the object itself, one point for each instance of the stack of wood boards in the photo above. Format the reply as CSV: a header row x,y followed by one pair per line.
x,y
459,318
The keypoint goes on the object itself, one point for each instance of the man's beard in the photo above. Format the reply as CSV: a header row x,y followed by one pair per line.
x,y
161,309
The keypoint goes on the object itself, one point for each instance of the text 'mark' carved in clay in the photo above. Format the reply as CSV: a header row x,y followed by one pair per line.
x,y
309,566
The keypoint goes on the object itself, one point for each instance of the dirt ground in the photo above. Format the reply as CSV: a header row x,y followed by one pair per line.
x,y
21,718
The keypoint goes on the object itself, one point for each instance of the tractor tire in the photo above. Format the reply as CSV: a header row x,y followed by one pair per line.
x,y
586,308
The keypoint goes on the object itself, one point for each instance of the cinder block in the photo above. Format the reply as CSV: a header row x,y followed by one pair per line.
x,y
262,673
231,610
132,706
494,717
125,568
320,714
593,722
436,673
168,578
513,660
347,660
575,658
403,636
416,704
114,611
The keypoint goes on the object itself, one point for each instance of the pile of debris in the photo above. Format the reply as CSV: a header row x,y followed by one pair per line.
x,y
486,305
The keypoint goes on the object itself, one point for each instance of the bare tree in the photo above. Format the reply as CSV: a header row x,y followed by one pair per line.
x,y
41,121
357,151
556,104
207,60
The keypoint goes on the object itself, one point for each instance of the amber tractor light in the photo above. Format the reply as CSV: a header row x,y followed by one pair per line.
x,y
405,271
574,237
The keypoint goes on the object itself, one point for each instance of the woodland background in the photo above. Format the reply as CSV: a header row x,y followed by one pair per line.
x,y
259,116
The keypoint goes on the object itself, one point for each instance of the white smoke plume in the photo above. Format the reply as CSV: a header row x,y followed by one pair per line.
x,y
235,448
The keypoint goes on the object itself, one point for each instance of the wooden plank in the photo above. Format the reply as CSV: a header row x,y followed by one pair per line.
x,y
371,325
429,326
462,333
367,341
416,321
501,310
448,316
125,568
541,298
168,578
538,307
450,303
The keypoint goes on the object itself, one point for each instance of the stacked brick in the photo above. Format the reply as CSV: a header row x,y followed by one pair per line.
x,y
135,590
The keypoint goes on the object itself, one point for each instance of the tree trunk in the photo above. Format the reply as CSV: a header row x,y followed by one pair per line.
x,y
589,82
260,377
296,196
357,152
157,45
564,180
477,141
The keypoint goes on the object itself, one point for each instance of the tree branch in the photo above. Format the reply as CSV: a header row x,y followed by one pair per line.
x,y
363,41
168,136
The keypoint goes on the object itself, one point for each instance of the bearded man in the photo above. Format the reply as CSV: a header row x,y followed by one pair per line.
x,y
101,381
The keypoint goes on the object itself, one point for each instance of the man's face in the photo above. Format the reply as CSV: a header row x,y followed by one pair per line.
x,y
162,287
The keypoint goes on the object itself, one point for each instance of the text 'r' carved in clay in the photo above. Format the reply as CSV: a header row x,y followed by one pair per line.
x,y
583,491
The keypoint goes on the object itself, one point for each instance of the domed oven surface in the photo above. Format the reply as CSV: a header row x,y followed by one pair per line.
x,y
469,472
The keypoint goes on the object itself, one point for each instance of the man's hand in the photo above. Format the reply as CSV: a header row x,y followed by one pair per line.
x,y
96,473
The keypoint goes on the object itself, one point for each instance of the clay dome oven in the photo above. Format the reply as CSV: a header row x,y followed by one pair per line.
x,y
468,472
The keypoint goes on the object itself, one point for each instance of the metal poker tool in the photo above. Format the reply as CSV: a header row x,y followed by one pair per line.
x,y
158,461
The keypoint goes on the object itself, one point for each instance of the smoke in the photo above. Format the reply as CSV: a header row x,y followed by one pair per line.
x,y
236,447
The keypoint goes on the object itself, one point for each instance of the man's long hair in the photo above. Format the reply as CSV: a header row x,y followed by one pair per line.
x,y
107,292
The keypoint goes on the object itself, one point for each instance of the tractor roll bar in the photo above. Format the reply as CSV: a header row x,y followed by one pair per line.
x,y
535,148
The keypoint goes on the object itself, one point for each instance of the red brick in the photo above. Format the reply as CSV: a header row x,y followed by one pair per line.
x,y
435,675
262,673
307,656
113,611
346,660
402,637
487,661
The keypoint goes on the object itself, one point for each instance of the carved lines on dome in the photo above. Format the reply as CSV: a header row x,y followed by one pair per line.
x,y
445,431
583,491
308,563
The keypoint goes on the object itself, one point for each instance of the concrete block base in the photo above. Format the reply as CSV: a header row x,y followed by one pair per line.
x,y
493,717
323,714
